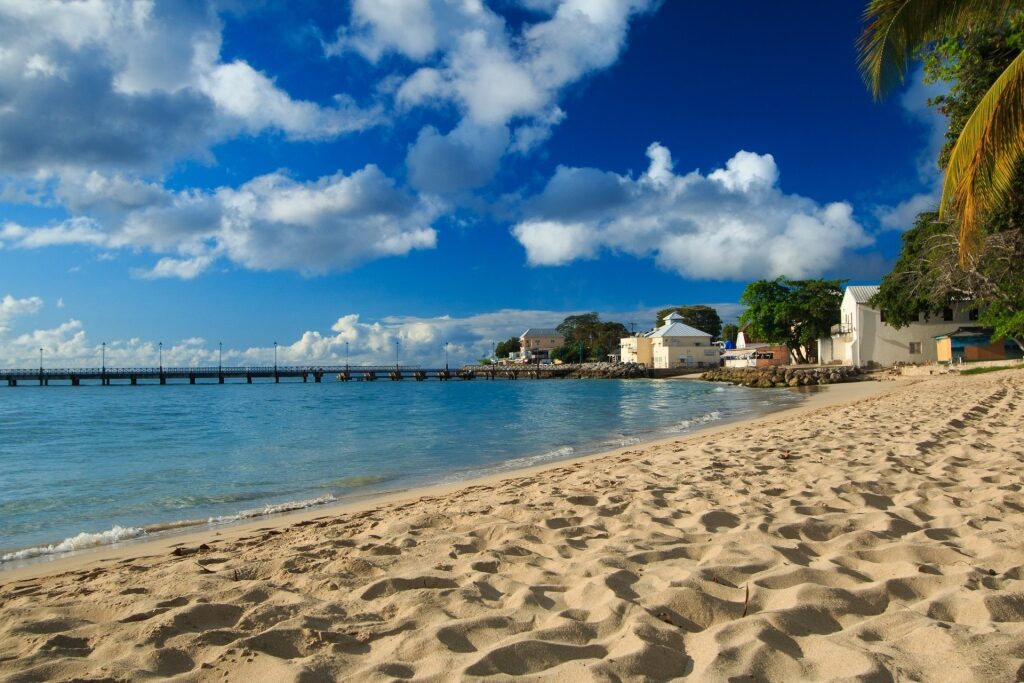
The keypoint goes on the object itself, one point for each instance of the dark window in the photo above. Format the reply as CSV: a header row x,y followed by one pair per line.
x,y
973,315
947,314
882,313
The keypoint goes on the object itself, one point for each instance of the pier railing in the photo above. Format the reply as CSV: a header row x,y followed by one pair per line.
x,y
343,373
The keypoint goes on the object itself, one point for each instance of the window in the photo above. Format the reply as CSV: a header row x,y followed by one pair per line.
x,y
915,348
947,314
881,314
973,314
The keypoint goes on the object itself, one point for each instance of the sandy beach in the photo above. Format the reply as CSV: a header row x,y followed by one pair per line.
x,y
874,534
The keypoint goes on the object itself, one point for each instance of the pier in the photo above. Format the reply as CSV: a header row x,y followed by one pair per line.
x,y
220,375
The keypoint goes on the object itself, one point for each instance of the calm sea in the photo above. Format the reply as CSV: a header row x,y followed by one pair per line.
x,y
90,465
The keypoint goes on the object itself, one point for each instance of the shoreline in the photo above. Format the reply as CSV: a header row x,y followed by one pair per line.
x,y
872,532
165,541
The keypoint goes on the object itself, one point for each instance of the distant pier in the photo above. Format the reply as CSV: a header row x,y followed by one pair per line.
x,y
220,375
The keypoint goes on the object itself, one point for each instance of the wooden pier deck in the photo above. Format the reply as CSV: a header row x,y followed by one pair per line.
x,y
220,375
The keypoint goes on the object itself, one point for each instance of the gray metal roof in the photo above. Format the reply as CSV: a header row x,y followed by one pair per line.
x,y
862,293
677,330
541,332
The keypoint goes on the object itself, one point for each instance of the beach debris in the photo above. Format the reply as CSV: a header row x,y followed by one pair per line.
x,y
746,601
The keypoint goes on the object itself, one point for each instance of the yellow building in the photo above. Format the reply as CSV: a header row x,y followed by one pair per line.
x,y
673,345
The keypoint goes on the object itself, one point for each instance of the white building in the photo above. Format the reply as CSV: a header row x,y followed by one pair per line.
x,y
673,345
862,336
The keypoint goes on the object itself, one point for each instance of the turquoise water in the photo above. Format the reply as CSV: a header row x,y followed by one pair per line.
x,y
91,465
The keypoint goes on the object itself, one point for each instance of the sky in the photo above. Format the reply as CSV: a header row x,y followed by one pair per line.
x,y
389,176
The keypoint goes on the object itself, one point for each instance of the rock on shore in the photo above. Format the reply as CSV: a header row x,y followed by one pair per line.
x,y
607,370
784,376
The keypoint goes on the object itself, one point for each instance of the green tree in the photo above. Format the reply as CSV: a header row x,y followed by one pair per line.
x,y
926,279
506,347
704,318
729,332
792,312
598,337
981,165
932,272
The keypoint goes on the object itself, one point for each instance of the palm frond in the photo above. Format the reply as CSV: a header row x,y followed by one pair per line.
x,y
895,29
982,164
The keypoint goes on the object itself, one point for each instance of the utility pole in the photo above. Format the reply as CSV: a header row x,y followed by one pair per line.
x,y
161,347
446,355
397,344
346,356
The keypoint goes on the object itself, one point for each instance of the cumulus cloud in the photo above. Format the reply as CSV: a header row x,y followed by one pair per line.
x,y
498,77
915,104
14,308
420,341
144,84
464,159
271,222
733,223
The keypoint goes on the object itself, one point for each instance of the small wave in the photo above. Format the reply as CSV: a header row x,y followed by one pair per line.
x,y
692,422
80,542
272,509
358,480
622,441
531,460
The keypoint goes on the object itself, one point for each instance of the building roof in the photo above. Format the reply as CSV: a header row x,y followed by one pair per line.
x,y
541,332
968,332
862,293
675,329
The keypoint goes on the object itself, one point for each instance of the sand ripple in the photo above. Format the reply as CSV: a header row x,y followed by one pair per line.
x,y
876,541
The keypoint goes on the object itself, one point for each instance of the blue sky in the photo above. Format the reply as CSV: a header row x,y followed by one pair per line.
x,y
425,171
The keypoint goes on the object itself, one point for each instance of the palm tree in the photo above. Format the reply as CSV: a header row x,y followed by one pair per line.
x,y
983,160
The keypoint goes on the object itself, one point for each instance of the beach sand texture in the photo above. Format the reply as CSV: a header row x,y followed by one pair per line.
x,y
882,540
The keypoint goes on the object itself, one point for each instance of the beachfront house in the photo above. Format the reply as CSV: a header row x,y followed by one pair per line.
x,y
673,345
537,343
863,338
967,344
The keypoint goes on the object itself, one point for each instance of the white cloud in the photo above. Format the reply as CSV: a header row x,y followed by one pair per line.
x,y
71,231
144,84
554,243
464,159
466,55
271,222
183,269
14,308
734,223
421,341
915,103
257,103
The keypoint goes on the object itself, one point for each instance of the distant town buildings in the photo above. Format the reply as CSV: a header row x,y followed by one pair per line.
x,y
751,353
537,343
863,338
673,345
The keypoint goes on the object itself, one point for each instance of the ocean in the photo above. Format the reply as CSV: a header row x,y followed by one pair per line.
x,y
86,466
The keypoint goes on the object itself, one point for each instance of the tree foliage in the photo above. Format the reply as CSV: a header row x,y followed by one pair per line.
x,y
933,271
729,332
506,347
792,312
704,318
596,337
981,165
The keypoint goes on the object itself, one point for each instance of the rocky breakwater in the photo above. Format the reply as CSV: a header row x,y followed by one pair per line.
x,y
606,370
784,376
